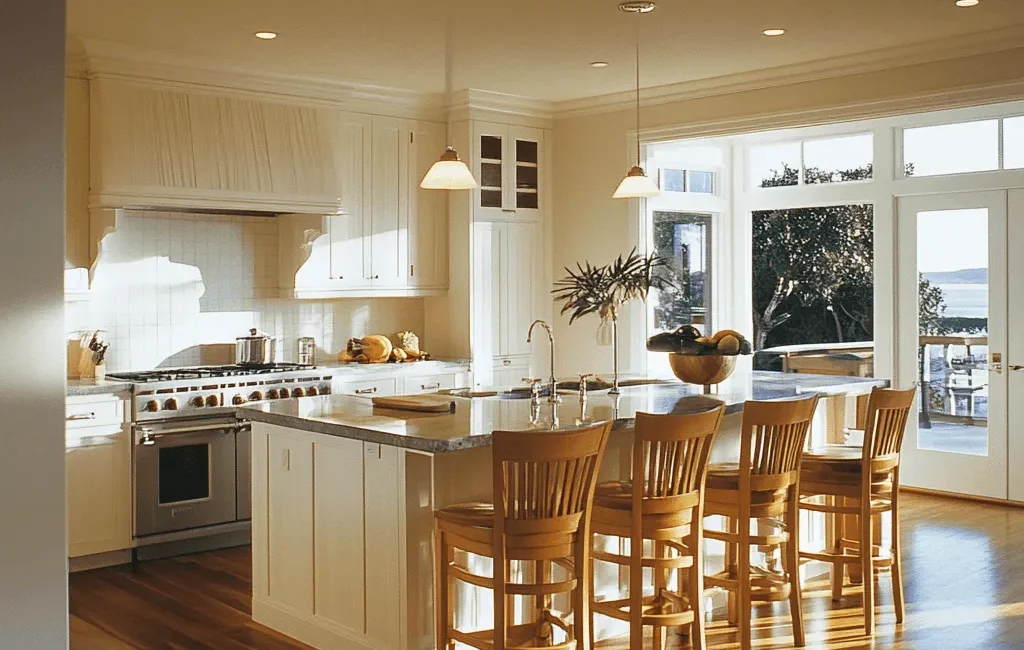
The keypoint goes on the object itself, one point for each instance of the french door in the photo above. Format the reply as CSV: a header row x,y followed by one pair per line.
x,y
953,316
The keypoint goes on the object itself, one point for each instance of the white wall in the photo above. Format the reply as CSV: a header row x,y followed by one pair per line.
x,y
174,289
33,550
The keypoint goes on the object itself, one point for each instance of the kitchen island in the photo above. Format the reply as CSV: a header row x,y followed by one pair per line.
x,y
344,494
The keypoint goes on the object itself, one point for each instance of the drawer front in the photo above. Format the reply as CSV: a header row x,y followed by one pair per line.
x,y
375,388
90,412
429,383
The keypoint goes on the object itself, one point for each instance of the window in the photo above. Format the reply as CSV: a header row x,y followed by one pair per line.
x,y
775,165
700,182
1013,143
951,148
839,160
684,240
813,284
682,180
673,180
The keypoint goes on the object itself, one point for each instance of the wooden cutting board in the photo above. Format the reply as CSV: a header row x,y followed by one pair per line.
x,y
420,403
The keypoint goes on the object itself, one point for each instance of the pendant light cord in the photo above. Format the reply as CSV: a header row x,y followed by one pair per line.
x,y
449,64
638,15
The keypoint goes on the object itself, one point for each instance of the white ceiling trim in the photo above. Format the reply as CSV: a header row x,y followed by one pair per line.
x,y
476,104
901,56
943,100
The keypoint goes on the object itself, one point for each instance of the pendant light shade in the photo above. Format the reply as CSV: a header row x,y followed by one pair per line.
x,y
448,173
636,184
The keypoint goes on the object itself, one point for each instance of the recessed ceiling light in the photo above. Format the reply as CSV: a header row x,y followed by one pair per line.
x,y
775,31
599,64
967,3
267,36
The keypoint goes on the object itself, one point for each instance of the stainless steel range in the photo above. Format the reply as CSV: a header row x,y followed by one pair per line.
x,y
191,452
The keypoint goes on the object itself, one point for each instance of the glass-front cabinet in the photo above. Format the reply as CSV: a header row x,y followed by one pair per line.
x,y
509,168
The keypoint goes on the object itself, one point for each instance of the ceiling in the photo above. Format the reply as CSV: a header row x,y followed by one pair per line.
x,y
534,48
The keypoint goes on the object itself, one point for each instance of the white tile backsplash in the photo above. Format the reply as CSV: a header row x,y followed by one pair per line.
x,y
172,289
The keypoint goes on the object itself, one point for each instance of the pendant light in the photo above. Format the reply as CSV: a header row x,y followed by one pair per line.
x,y
636,184
449,172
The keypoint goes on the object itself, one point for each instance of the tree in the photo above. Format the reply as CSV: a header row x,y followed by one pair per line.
x,y
931,308
813,258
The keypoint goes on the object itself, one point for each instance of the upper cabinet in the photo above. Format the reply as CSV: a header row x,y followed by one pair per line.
x,y
391,237
509,164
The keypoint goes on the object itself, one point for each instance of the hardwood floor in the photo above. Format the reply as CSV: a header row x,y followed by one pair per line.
x,y
194,602
964,582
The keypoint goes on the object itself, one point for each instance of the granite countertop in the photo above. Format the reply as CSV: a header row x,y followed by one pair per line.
x,y
83,387
475,418
408,369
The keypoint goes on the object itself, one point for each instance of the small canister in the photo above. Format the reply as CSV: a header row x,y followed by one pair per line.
x,y
307,351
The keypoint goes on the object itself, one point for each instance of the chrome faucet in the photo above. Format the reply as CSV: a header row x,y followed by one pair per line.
x,y
552,384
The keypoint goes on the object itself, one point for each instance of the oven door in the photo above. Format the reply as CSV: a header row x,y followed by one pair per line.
x,y
184,476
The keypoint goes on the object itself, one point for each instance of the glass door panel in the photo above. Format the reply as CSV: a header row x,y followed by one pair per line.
x,y
491,171
527,159
952,322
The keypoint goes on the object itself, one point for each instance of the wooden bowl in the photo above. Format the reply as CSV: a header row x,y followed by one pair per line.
x,y
702,369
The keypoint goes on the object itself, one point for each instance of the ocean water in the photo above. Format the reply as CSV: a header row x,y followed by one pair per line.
x,y
965,300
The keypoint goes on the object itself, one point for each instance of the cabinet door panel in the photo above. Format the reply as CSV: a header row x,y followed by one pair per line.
x,y
487,296
98,497
491,169
382,490
339,540
526,162
290,521
349,264
518,281
388,222
428,210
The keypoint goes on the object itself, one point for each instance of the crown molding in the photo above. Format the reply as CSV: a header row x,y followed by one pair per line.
x,y
484,104
946,99
109,60
1008,38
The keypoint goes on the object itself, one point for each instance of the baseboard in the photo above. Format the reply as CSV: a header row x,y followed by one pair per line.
x,y
962,497
99,560
304,627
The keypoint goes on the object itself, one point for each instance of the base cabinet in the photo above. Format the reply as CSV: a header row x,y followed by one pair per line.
x,y
99,497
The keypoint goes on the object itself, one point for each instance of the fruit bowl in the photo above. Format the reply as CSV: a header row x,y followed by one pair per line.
x,y
703,369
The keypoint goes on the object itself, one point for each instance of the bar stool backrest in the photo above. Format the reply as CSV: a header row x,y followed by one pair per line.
x,y
886,423
670,459
773,438
546,480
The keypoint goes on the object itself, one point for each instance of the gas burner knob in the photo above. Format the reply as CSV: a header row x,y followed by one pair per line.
x,y
171,405
273,393
256,396
299,392
284,393
325,389
237,399
197,402
152,406
212,400
313,391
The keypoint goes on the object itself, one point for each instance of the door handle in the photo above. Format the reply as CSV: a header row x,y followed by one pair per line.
x,y
1017,368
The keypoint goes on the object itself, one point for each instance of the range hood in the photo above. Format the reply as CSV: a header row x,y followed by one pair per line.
x,y
158,147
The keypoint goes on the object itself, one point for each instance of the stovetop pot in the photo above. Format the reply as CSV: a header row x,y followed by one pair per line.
x,y
255,350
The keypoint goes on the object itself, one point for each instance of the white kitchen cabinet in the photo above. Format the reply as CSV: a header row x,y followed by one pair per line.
x,y
509,164
505,299
388,244
384,387
349,264
98,476
432,383
428,209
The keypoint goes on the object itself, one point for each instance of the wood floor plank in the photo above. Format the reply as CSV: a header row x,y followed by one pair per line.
x,y
963,570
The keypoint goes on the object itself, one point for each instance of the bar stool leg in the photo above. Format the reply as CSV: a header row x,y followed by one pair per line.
x,y
695,584
838,567
636,590
867,567
583,567
897,563
791,564
659,588
743,580
731,553
443,555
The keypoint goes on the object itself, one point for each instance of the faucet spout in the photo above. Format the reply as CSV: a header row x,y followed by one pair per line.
x,y
552,382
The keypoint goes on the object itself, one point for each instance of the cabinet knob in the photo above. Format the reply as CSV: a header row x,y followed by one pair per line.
x,y
376,277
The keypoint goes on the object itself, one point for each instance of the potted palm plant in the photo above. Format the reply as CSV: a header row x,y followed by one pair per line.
x,y
605,289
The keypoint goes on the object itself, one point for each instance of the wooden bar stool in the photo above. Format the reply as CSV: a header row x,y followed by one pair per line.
x,y
845,480
670,456
764,485
545,484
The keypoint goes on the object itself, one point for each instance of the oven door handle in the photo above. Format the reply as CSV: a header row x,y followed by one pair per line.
x,y
149,436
